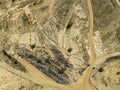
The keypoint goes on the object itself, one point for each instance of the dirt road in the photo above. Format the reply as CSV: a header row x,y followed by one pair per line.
x,y
86,84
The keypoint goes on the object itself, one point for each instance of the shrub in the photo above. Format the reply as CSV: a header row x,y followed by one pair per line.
x,y
33,46
69,50
69,25
118,73
101,69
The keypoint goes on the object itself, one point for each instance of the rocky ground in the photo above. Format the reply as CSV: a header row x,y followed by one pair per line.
x,y
59,44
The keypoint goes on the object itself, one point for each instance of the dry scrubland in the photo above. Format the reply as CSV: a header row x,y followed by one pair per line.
x,y
59,44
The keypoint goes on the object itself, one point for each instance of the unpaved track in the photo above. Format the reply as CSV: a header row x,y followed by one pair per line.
x,y
38,77
86,84
102,59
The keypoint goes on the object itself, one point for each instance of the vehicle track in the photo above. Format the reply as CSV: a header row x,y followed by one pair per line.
x,y
85,83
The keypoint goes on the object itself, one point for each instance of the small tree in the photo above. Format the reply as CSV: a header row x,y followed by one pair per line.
x,y
101,69
118,73
33,46
69,50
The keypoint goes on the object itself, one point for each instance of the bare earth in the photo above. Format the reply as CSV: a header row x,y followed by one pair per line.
x,y
102,69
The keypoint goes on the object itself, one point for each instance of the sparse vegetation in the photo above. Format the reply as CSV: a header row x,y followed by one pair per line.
x,y
69,25
21,88
36,86
7,47
118,34
44,8
34,3
118,73
70,50
33,46
60,57
101,69
13,62
63,70
13,0
25,19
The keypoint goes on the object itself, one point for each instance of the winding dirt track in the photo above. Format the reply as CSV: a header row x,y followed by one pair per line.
x,y
38,77
86,84
91,43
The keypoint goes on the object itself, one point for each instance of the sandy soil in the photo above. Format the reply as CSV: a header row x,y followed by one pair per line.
x,y
11,79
